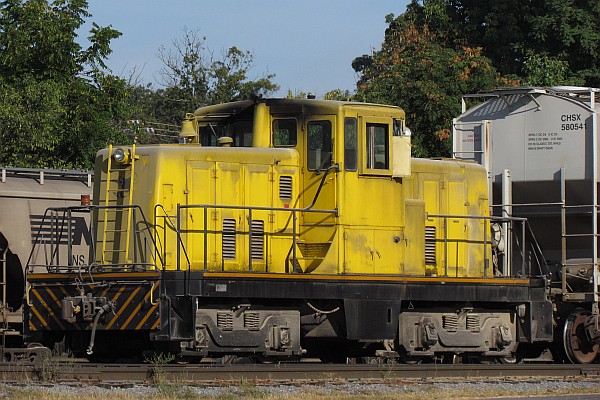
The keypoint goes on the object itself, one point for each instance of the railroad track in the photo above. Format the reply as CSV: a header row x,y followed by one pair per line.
x,y
119,374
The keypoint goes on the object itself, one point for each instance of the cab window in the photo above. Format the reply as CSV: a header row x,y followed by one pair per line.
x,y
240,131
242,136
377,146
319,144
210,133
284,132
350,141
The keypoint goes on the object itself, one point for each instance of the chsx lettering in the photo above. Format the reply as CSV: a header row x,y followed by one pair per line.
x,y
570,117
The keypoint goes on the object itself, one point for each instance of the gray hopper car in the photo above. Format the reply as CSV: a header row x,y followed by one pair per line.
x,y
540,148
25,195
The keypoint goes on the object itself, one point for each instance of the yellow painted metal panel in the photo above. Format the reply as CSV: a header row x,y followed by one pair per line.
x,y
457,230
387,252
201,190
229,190
359,251
282,227
167,197
434,242
414,238
259,192
401,161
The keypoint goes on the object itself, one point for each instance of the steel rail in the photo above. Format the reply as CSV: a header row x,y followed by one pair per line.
x,y
77,373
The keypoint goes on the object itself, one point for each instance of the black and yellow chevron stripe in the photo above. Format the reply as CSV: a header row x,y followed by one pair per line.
x,y
135,306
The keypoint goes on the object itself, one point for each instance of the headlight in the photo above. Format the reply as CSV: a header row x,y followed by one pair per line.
x,y
121,156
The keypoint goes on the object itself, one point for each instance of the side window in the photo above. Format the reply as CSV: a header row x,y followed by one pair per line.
x,y
242,136
398,127
350,141
210,133
377,146
284,132
319,144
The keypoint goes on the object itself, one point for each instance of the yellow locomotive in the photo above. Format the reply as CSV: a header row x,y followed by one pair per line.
x,y
283,228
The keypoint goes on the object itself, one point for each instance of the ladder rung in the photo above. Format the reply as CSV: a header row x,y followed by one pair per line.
x,y
117,190
114,251
115,230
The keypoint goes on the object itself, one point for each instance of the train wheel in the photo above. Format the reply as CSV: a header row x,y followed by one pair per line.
x,y
510,360
578,348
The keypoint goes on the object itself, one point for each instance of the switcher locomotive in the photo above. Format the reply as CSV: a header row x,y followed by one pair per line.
x,y
289,228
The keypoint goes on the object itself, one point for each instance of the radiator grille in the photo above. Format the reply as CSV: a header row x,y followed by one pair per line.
x,y
473,323
430,246
225,320
450,322
251,321
228,239
285,188
258,239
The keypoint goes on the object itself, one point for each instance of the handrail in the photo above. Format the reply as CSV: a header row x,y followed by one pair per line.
x,y
172,226
59,230
250,209
84,176
335,166
523,244
55,242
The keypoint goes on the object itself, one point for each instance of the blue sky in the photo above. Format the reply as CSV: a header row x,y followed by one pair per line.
x,y
308,44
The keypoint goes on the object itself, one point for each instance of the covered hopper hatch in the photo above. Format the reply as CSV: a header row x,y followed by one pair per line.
x,y
540,148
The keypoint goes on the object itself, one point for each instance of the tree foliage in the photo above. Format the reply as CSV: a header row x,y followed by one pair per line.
x,y
511,32
58,105
439,50
193,76
414,71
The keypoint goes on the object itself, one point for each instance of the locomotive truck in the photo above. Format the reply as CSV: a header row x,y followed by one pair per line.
x,y
289,228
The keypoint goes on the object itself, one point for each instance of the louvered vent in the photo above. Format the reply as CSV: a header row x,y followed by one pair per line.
x,y
252,321
225,320
473,322
285,188
450,322
430,245
228,239
258,239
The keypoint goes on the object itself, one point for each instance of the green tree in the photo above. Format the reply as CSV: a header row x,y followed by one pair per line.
x,y
568,31
194,76
438,50
544,70
426,78
58,105
518,34
338,94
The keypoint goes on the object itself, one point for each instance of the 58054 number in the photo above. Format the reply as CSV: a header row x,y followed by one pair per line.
x,y
571,127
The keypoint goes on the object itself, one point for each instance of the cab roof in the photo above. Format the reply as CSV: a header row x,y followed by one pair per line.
x,y
292,107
